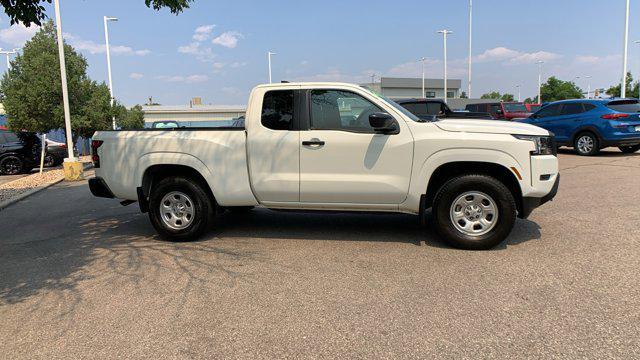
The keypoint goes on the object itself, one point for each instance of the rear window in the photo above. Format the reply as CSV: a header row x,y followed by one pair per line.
x,y
534,108
277,110
628,106
515,108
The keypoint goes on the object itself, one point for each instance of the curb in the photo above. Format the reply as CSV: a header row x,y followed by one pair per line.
x,y
28,193
4,204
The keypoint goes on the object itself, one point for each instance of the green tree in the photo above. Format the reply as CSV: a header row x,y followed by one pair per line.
x,y
32,90
632,88
129,119
463,95
491,95
507,97
555,89
533,100
33,12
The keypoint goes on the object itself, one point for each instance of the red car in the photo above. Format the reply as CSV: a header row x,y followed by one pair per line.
x,y
501,110
533,107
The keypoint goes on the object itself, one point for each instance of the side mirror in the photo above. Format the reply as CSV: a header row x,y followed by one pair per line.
x,y
383,122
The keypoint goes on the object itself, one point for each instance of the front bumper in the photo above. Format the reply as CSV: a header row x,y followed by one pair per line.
x,y
530,203
99,188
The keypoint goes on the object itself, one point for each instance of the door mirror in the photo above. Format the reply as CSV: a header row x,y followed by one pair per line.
x,y
384,123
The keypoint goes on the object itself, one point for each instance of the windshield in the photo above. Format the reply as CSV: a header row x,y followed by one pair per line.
x,y
515,108
395,105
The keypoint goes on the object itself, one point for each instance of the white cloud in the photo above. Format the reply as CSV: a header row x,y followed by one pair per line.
x,y
18,34
228,39
189,79
96,48
136,76
192,48
203,32
512,56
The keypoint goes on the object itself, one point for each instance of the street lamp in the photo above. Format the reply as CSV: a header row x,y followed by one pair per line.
x,y
65,93
269,54
518,87
469,64
539,62
8,53
444,37
423,59
106,40
623,87
588,86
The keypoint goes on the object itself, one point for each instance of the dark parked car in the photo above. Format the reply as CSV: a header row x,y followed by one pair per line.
x,y
426,109
591,125
56,153
19,152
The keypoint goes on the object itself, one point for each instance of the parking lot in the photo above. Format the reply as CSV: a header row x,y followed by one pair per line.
x,y
84,277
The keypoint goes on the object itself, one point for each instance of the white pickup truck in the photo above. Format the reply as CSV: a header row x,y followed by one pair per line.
x,y
333,147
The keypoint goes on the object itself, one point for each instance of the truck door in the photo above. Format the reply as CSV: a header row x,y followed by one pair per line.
x,y
343,160
273,145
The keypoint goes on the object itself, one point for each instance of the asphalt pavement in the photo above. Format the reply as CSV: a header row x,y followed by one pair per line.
x,y
82,277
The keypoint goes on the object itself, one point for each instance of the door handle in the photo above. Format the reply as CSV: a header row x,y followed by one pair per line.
x,y
313,142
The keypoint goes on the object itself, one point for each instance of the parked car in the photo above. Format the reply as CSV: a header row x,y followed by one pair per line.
x,y
333,147
55,154
591,125
501,110
170,124
426,109
533,107
19,152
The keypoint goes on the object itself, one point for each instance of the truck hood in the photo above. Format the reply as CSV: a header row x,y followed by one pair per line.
x,y
490,127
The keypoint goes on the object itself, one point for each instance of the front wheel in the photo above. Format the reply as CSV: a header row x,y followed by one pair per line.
x,y
180,209
474,212
11,165
586,144
629,149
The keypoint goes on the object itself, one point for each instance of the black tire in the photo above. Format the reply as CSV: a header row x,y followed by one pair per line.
x,y
486,186
591,147
240,209
196,199
629,149
11,165
50,160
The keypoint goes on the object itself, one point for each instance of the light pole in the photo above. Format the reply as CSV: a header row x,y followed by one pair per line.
x,y
518,87
623,87
444,37
588,77
269,54
8,53
469,64
106,41
423,59
540,62
65,92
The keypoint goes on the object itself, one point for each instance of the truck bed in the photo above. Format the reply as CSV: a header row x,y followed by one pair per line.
x,y
212,151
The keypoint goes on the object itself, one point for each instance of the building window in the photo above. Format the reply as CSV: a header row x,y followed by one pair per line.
x,y
450,94
430,94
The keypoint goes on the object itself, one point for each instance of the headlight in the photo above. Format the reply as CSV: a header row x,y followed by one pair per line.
x,y
545,145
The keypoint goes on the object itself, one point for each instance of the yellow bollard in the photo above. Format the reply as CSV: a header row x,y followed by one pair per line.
x,y
73,170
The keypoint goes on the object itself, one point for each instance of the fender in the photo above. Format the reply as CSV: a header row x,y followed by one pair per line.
x,y
420,177
222,191
589,128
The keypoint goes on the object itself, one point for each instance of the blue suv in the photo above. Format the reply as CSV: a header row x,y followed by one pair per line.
x,y
591,125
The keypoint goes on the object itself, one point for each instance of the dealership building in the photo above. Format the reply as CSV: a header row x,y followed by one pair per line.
x,y
403,88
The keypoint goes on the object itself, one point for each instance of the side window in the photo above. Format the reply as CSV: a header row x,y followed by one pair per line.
x,y
588,107
2,140
571,109
435,108
341,110
551,110
411,107
277,110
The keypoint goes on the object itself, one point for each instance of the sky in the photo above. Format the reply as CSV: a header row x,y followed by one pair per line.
x,y
217,49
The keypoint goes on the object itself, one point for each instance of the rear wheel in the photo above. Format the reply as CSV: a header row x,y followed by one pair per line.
x,y
50,160
11,165
180,209
586,144
474,212
629,149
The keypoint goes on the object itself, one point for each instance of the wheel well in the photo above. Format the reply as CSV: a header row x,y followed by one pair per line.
x,y
451,170
156,173
583,131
